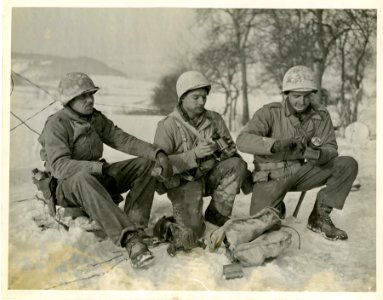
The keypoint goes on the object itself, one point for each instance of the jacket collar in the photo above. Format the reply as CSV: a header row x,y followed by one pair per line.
x,y
76,116
202,122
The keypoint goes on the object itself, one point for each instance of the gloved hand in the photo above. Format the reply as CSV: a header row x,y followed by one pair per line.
x,y
287,145
105,167
108,176
162,160
311,154
314,156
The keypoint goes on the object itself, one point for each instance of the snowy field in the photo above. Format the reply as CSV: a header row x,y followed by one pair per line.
x,y
75,259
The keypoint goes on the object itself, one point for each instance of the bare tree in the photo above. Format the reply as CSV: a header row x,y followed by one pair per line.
x,y
284,40
318,39
221,65
330,25
334,40
233,26
355,52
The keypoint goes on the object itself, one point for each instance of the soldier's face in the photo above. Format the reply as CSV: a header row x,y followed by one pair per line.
x,y
300,100
194,102
83,104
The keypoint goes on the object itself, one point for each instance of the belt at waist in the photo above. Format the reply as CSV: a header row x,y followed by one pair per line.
x,y
277,165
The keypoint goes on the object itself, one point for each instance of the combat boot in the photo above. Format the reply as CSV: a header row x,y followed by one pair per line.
x,y
282,210
214,217
139,254
319,221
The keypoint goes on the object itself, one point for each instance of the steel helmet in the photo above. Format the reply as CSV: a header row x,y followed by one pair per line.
x,y
191,80
300,79
73,85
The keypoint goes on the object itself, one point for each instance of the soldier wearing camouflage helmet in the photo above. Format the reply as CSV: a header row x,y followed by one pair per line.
x,y
294,148
204,157
72,147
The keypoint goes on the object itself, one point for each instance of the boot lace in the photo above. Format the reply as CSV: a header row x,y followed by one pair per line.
x,y
326,218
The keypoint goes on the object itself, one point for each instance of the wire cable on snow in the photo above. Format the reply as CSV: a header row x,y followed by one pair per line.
x,y
23,123
199,281
84,278
31,117
26,199
108,260
152,110
34,84
299,236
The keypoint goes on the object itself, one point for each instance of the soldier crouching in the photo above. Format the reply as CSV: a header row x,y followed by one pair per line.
x,y
203,156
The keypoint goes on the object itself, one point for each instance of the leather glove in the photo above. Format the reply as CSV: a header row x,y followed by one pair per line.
x,y
105,167
163,162
287,145
313,155
108,178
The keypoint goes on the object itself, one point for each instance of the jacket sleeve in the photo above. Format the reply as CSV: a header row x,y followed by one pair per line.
x,y
120,140
254,137
329,148
165,139
58,153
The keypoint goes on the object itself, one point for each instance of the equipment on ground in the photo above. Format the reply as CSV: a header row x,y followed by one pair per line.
x,y
250,241
179,237
232,271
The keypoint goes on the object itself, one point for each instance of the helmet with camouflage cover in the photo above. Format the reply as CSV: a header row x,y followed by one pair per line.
x,y
73,85
191,80
299,79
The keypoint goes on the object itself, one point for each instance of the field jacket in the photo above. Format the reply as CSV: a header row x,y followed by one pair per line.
x,y
278,121
179,143
72,143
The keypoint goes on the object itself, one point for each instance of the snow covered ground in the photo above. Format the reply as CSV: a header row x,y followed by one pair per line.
x,y
75,259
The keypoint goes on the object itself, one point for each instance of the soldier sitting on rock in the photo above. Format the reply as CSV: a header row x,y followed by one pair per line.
x,y
72,147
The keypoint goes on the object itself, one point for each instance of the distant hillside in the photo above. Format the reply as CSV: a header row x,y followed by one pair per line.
x,y
48,68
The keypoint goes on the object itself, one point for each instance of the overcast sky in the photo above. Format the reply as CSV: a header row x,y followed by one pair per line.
x,y
121,37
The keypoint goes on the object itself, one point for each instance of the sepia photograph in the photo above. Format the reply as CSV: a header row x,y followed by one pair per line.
x,y
160,151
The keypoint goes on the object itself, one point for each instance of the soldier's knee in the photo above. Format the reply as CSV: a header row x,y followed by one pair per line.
x,y
237,164
240,163
83,177
348,164
82,180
